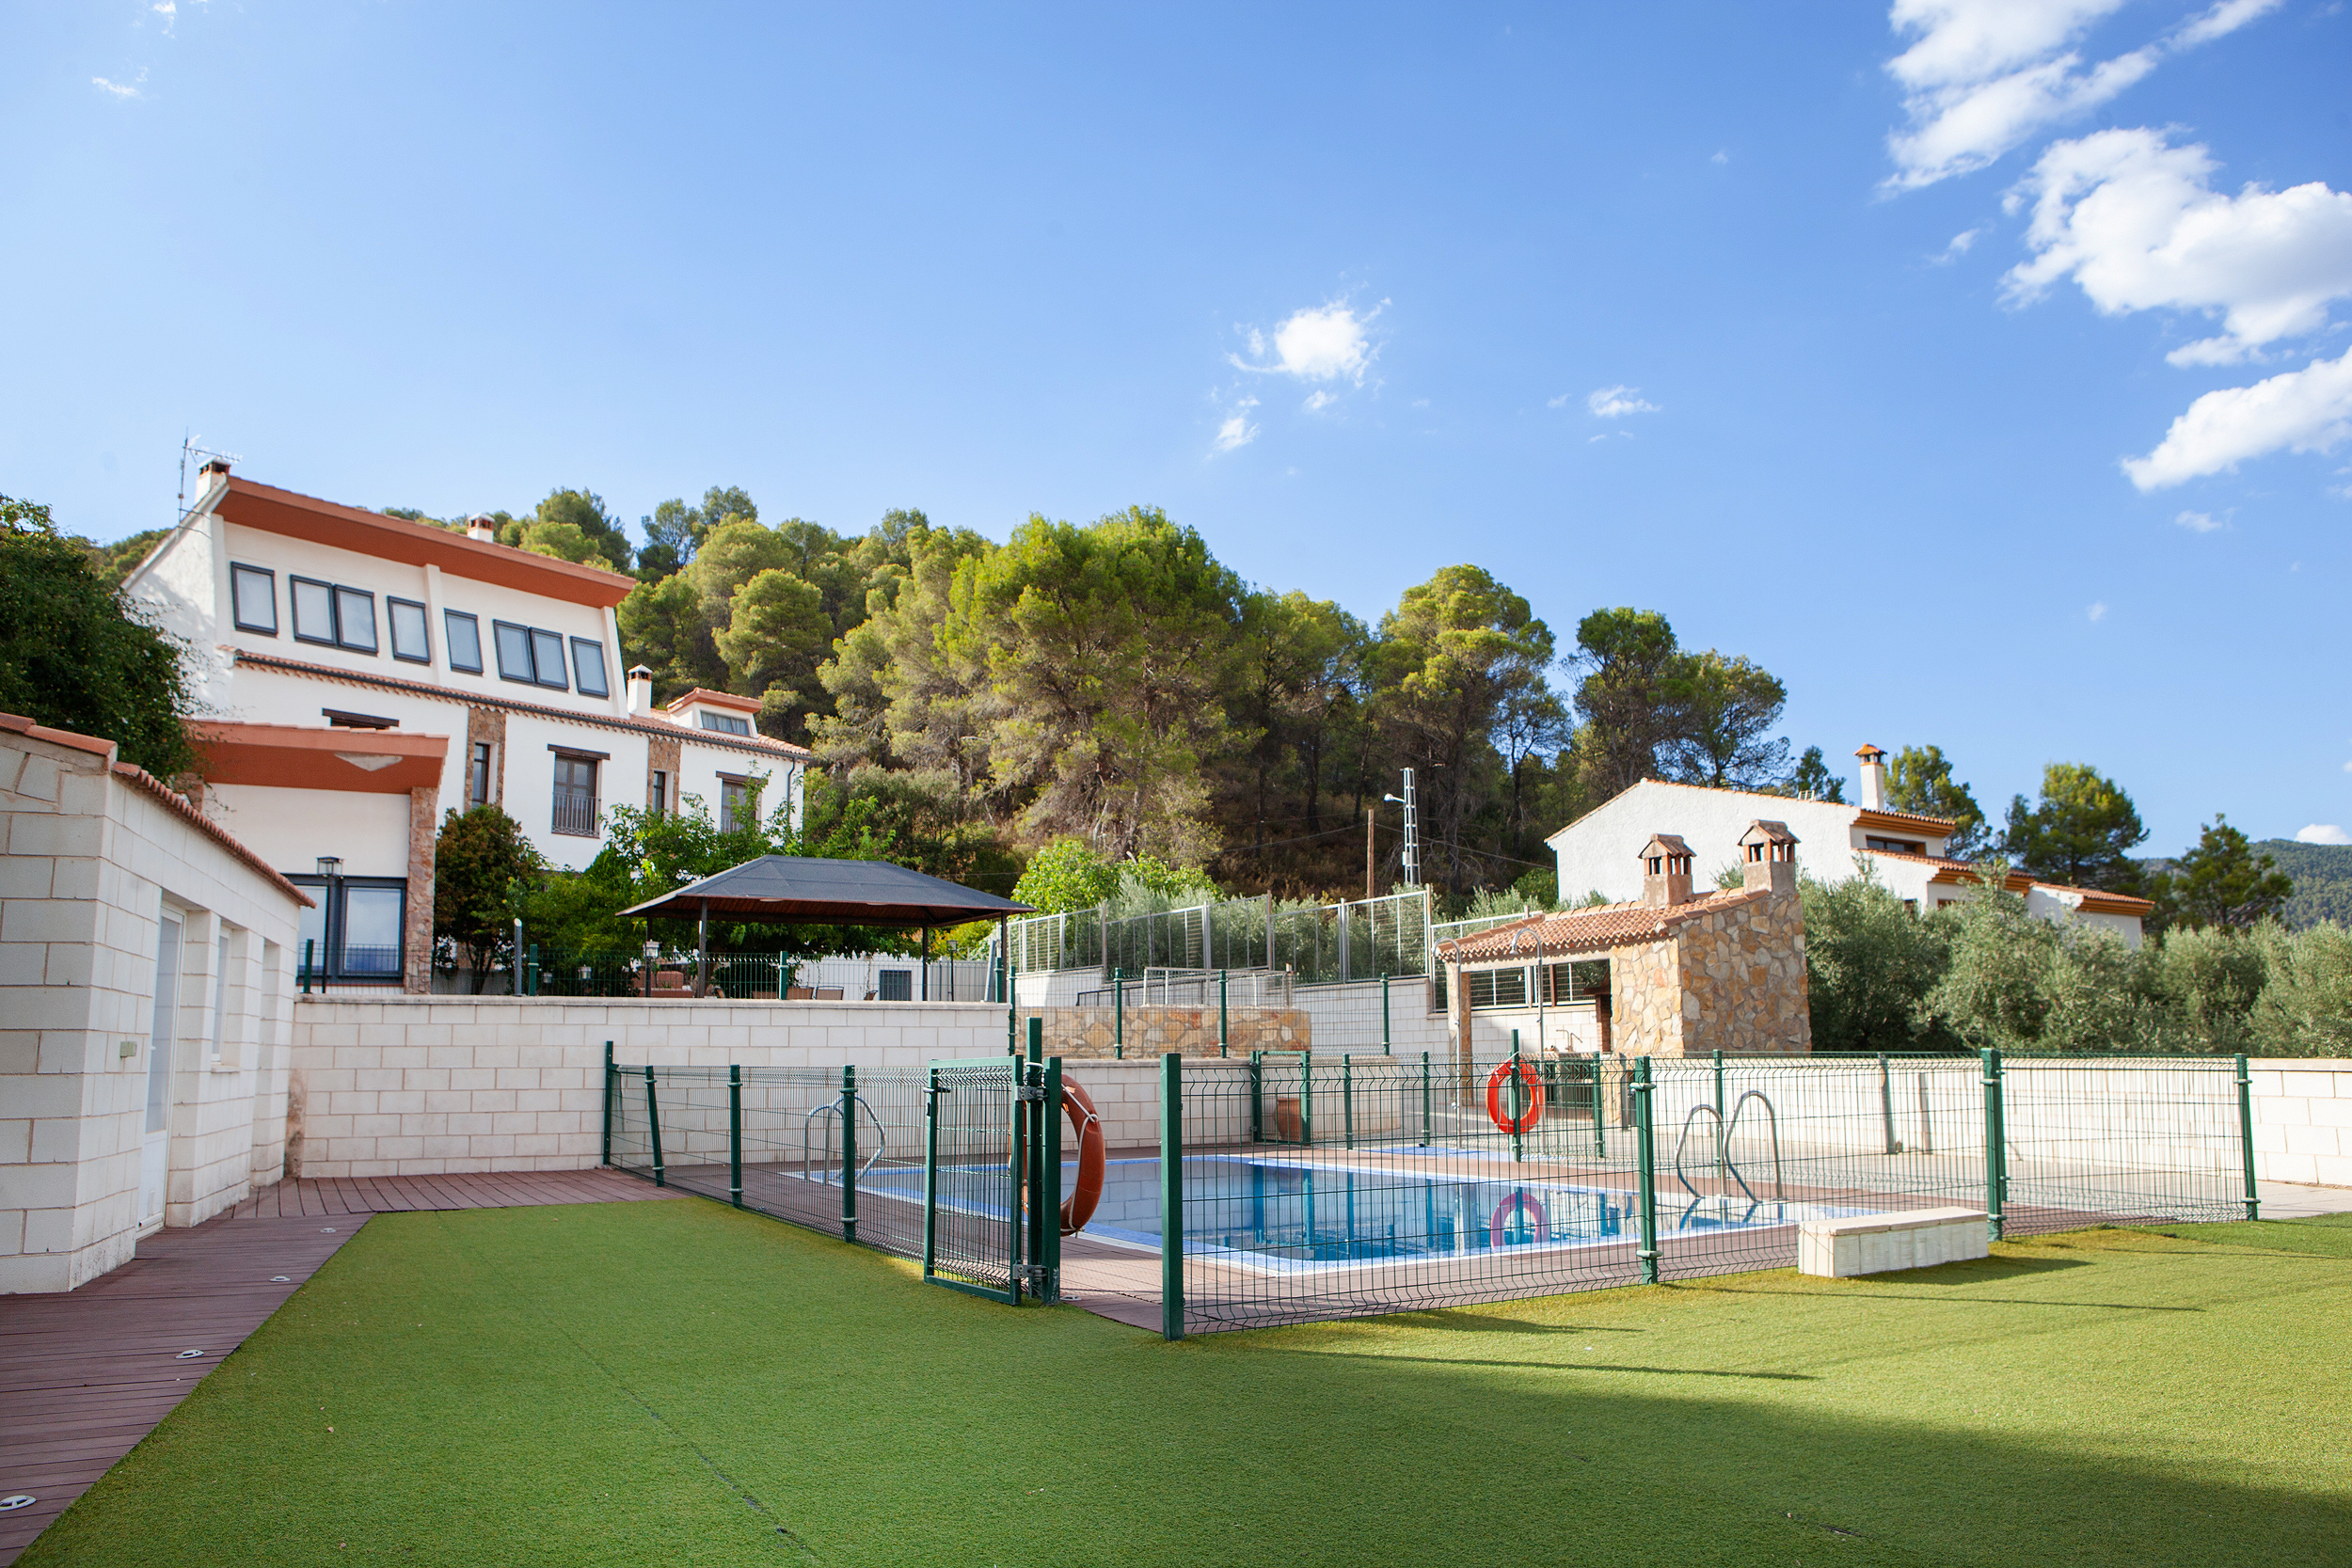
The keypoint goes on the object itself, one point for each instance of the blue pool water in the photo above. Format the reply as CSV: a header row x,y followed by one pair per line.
x,y
1269,1214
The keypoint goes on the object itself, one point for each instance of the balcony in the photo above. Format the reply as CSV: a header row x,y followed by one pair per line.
x,y
577,812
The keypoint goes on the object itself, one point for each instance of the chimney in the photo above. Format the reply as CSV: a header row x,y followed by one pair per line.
x,y
1768,858
478,527
639,691
214,467
1665,871
1873,777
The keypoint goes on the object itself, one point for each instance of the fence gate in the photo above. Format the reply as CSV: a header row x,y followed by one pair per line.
x,y
974,1155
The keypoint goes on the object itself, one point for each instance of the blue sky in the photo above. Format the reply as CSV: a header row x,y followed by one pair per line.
x,y
1977,366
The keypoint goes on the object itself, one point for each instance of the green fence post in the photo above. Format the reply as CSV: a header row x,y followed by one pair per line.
x,y
310,957
1386,1039
1119,1014
1172,1196
735,1135
1033,1114
931,1092
1887,1106
1600,1134
1722,1139
1305,1100
1051,1256
848,1154
2246,1138
1995,1142
1424,1100
1224,1033
1347,1096
1257,1098
1518,1100
653,1127
608,1102
1645,1152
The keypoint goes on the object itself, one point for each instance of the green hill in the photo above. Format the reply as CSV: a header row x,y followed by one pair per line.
x,y
2323,880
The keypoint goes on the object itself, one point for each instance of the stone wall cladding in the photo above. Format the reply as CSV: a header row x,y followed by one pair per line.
x,y
1093,1032
424,810
487,723
661,756
1732,980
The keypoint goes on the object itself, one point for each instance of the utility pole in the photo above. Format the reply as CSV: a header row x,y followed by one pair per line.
x,y
1412,830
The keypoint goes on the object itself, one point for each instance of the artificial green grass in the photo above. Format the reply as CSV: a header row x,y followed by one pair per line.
x,y
678,1382
2329,1235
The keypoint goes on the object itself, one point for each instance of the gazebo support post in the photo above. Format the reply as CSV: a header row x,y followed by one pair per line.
x,y
702,953
925,989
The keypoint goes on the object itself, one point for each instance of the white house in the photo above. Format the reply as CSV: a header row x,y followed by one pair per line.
x,y
1600,851
146,1009
359,674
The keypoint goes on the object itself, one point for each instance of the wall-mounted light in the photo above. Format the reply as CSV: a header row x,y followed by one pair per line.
x,y
329,865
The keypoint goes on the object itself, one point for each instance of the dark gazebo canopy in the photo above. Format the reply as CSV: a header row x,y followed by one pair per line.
x,y
793,890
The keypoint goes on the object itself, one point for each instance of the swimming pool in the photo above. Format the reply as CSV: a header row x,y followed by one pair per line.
x,y
1283,1218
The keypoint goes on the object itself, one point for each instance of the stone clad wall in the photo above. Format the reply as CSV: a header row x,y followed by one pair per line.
x,y
1743,980
1733,980
1093,1032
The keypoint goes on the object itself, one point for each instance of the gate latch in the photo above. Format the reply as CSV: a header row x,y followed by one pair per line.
x,y
1028,1091
1034,1278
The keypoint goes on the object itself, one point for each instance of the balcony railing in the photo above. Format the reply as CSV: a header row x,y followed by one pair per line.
x,y
577,812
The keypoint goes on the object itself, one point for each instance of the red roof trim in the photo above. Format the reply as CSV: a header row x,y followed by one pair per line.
x,y
1592,930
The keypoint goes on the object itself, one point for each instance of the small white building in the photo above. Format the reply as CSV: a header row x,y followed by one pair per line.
x,y
1599,852
362,673
146,1010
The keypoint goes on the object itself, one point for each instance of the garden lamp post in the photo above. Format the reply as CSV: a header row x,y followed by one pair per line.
x,y
330,871
653,953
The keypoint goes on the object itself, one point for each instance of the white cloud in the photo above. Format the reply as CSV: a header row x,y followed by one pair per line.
x,y
2097,611
2199,522
2322,832
1236,431
1961,245
2135,222
1319,399
2305,410
1329,343
1612,403
1722,156
1985,75
120,90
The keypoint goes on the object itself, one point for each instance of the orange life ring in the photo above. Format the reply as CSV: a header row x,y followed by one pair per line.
x,y
1530,1081
1078,1207
1522,1201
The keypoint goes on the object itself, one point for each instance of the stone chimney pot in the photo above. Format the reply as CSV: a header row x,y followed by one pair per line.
x,y
1873,777
1665,871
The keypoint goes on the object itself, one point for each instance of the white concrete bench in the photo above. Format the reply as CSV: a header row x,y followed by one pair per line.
x,y
1875,1244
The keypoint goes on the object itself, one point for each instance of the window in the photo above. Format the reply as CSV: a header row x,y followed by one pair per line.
x,y
894,985
575,796
1898,846
588,668
478,775
1496,988
657,793
253,599
725,724
338,719
739,804
529,654
338,617
356,929
412,633
465,640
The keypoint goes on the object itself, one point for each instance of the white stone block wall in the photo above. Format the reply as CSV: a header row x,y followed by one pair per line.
x,y
2303,1120
93,857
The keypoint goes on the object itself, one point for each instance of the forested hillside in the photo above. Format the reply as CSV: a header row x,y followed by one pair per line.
x,y
2323,880
1114,681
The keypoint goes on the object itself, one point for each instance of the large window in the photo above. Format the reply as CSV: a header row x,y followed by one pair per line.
x,y
588,668
529,654
725,724
575,795
338,617
465,640
738,803
253,599
356,930
412,630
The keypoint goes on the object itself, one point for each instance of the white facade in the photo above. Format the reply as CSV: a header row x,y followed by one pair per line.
x,y
1600,851
146,1004
329,651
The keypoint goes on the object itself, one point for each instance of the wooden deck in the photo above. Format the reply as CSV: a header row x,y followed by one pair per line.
x,y
85,1375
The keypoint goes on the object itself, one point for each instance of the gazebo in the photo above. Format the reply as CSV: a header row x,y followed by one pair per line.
x,y
795,890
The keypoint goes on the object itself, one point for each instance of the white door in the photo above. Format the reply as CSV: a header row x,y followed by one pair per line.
x,y
155,1149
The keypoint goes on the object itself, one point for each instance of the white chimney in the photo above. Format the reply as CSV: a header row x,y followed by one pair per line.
x,y
1873,778
640,692
212,465
478,527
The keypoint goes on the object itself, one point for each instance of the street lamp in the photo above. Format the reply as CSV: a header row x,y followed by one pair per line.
x,y
653,955
330,871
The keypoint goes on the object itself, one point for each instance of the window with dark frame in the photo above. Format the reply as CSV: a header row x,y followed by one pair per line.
x,y
360,925
725,724
575,796
588,668
739,804
478,775
657,793
412,630
530,655
465,640
253,599
334,616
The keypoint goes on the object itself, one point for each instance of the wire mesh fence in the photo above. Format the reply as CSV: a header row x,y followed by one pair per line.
x,y
1285,1186
1355,940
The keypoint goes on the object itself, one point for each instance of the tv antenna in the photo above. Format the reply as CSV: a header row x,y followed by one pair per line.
x,y
189,448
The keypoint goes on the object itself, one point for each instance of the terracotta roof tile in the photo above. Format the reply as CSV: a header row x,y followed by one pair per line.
x,y
1592,931
1950,871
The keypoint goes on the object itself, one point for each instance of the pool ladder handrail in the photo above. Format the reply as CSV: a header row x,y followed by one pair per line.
x,y
1722,1146
831,1110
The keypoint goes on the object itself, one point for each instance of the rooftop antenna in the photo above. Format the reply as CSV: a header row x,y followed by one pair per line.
x,y
189,448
